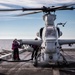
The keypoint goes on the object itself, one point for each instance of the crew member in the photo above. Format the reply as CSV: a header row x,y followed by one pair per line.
x,y
35,51
15,46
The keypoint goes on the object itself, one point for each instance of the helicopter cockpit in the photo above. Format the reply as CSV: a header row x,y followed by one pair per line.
x,y
50,32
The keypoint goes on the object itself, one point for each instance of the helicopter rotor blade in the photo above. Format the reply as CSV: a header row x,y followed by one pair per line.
x,y
64,6
71,8
5,10
21,9
48,8
29,13
44,9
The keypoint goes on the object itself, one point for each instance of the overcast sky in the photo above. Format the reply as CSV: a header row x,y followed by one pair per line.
x,y
27,26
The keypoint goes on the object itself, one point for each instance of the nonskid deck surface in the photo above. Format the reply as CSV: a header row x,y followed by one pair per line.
x,y
27,68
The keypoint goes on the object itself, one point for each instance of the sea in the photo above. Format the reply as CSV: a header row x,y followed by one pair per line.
x,y
6,44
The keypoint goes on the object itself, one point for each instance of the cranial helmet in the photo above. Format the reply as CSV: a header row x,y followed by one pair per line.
x,y
36,38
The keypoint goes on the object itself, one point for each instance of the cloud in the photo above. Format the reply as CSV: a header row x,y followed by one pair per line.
x,y
32,3
10,5
14,18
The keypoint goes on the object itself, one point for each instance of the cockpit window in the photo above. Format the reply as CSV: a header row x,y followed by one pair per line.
x,y
50,31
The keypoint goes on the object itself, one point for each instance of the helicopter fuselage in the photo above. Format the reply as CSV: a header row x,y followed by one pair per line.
x,y
50,47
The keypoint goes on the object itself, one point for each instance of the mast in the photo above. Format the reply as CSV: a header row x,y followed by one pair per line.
x,y
49,19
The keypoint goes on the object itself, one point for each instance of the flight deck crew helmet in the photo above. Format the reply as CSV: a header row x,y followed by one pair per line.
x,y
15,40
36,38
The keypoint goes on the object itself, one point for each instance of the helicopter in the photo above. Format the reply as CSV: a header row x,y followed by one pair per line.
x,y
49,42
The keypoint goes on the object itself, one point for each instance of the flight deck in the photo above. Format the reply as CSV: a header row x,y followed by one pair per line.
x,y
27,68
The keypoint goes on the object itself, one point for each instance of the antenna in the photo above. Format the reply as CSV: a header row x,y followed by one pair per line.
x,y
63,24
